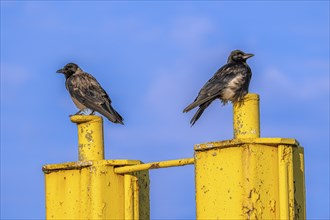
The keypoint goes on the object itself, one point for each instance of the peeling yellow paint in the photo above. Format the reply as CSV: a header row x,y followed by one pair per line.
x,y
249,177
89,188
245,178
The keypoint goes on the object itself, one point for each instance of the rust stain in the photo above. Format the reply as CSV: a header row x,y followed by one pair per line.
x,y
154,166
89,136
272,206
204,189
253,207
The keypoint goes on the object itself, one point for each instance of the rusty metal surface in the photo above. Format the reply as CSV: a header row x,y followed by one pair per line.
x,y
242,141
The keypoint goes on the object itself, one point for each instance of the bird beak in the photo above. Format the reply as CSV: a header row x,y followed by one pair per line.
x,y
248,55
60,71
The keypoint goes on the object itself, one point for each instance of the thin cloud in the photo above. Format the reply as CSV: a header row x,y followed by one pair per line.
x,y
191,31
13,76
304,87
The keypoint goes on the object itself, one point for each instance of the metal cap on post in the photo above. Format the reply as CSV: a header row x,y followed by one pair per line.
x,y
246,117
90,137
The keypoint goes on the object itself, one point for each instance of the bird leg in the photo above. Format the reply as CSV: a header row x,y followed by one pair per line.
x,y
92,113
80,112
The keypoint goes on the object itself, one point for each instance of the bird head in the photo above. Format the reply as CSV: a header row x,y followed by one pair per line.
x,y
68,69
239,56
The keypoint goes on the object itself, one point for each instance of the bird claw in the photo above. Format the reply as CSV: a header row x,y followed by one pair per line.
x,y
79,112
84,111
238,103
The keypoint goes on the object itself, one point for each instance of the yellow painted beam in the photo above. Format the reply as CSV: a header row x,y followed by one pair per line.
x,y
81,164
284,154
243,141
154,165
136,198
129,203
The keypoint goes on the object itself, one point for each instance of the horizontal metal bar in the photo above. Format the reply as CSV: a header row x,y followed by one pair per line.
x,y
154,165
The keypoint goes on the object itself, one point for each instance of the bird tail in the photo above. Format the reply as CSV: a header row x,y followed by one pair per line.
x,y
199,112
110,113
189,107
199,102
116,115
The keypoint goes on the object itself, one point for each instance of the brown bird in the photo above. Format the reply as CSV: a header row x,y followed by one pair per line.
x,y
229,83
87,93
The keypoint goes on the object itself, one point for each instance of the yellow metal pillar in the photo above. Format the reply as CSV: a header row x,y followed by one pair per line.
x,y
90,188
246,117
90,137
250,177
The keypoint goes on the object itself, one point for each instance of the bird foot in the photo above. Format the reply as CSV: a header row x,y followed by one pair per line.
x,y
238,103
79,112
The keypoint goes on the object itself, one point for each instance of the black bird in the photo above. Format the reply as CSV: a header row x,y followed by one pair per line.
x,y
87,93
229,83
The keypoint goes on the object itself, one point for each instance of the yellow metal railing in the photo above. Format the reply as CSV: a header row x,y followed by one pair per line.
x,y
248,177
154,165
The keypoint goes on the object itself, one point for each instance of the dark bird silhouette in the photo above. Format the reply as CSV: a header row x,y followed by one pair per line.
x,y
229,83
87,93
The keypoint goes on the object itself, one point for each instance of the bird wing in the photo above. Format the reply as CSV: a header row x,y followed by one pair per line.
x,y
85,88
212,88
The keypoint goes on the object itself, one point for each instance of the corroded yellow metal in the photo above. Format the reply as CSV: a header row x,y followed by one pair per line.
x,y
92,190
132,197
89,188
247,177
154,165
128,183
250,177
246,117
90,137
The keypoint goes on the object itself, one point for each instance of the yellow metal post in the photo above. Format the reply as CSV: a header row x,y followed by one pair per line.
x,y
250,177
246,117
89,188
90,137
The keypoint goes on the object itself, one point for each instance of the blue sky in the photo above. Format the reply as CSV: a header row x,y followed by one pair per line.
x,y
152,58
